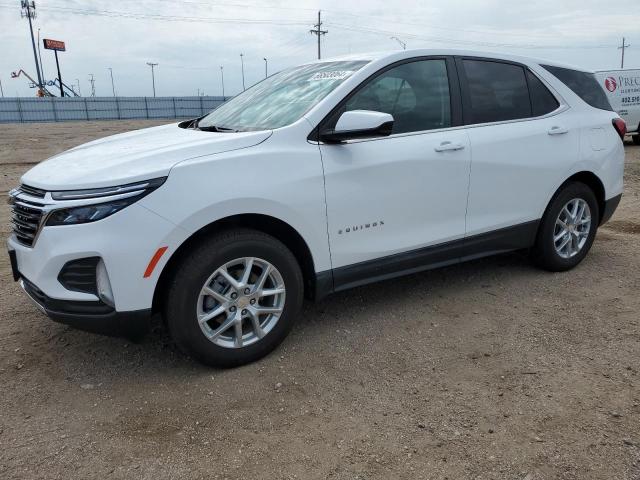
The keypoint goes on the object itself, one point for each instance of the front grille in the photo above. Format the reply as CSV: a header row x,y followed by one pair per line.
x,y
26,218
80,275
34,192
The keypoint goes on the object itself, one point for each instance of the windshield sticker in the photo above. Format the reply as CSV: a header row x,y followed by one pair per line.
x,y
333,75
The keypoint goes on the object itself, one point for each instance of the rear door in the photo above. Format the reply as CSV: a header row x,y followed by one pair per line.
x,y
521,139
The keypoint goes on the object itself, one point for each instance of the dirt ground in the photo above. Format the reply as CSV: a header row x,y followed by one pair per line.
x,y
488,370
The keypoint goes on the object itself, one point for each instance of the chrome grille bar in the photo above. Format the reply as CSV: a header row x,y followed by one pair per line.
x,y
27,213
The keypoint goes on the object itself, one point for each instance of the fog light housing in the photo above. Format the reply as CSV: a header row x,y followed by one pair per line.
x,y
104,285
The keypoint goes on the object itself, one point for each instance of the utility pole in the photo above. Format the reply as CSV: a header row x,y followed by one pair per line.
x,y
29,11
78,82
113,88
153,76
44,79
624,45
242,62
222,78
1,90
403,44
93,85
266,68
318,32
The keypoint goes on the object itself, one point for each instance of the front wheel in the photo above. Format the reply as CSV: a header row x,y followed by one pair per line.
x,y
568,228
636,139
234,298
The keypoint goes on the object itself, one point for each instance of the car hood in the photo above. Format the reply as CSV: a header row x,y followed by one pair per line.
x,y
133,156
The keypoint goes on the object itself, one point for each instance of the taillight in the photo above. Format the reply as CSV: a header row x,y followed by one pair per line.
x,y
620,127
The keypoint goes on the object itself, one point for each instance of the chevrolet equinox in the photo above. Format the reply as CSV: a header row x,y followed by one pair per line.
x,y
320,178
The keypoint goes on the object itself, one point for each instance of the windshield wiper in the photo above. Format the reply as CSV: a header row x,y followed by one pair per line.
x,y
214,128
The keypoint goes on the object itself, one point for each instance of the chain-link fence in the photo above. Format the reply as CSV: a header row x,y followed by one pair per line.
x,y
56,109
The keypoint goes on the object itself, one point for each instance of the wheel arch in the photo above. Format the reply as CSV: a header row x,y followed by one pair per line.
x,y
591,180
273,226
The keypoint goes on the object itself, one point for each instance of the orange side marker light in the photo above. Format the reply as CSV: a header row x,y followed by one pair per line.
x,y
154,261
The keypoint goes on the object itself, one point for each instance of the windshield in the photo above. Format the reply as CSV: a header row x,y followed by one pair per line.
x,y
281,99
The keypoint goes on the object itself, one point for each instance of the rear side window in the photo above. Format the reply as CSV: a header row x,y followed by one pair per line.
x,y
582,84
497,91
542,100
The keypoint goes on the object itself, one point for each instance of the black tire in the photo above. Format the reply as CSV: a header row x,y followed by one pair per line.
x,y
544,253
636,139
194,270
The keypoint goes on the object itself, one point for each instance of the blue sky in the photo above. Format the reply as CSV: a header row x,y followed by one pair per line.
x,y
191,39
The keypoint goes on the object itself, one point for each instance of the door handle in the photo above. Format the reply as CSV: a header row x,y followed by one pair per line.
x,y
445,146
556,130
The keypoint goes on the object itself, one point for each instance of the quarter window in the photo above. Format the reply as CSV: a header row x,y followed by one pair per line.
x,y
416,94
497,91
582,84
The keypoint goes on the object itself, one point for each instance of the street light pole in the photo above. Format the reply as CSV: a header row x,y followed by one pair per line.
x,y
403,44
222,78
153,76
113,88
242,62
266,74
78,82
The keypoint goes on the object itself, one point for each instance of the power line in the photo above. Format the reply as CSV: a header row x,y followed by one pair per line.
x,y
166,18
240,5
317,31
356,28
423,25
379,18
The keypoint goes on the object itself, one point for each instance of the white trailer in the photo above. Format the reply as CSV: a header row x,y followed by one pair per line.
x,y
623,90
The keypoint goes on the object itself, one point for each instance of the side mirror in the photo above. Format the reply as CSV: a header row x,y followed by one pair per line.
x,y
359,124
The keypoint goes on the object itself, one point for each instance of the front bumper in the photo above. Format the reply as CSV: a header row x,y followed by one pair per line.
x,y
125,242
95,317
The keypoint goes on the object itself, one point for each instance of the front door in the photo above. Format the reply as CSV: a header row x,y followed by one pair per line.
x,y
388,197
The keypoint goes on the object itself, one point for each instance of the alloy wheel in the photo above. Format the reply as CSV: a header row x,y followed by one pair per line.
x,y
241,302
572,228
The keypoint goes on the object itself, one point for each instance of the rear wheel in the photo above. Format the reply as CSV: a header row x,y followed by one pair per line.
x,y
636,139
234,298
568,228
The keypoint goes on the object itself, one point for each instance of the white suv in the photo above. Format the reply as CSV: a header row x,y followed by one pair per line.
x,y
320,178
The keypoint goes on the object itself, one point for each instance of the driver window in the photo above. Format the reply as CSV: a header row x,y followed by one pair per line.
x,y
416,94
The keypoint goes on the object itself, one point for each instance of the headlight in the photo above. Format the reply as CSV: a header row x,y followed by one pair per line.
x,y
99,203
90,213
